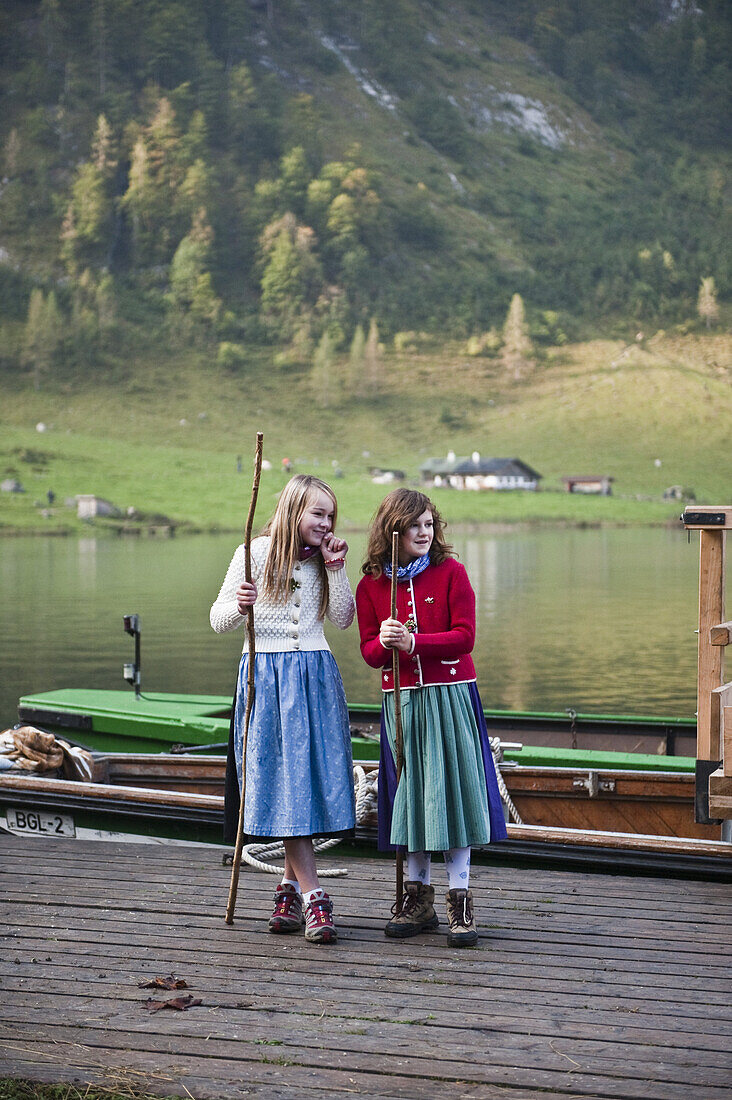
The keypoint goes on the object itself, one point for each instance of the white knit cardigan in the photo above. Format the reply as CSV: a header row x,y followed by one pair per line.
x,y
295,624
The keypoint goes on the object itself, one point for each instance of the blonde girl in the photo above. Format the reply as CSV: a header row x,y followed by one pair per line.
x,y
299,767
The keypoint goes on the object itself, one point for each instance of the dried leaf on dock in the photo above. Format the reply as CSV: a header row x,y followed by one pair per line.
x,y
180,1004
171,982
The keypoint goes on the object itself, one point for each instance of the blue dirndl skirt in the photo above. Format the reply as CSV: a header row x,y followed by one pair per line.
x,y
299,778
448,796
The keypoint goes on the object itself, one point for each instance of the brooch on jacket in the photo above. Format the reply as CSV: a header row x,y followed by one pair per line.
x,y
411,625
429,599
294,585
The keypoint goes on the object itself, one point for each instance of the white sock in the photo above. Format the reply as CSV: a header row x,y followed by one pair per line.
x,y
418,867
457,862
291,882
310,895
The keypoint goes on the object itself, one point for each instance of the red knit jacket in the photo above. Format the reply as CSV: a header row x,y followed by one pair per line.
x,y
441,604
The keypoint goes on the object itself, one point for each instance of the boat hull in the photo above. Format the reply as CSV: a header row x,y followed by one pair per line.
x,y
569,815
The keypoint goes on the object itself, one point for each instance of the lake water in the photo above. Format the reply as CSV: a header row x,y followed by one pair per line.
x,y
600,620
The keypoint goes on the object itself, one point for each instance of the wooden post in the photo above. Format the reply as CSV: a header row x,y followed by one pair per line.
x,y
710,657
713,524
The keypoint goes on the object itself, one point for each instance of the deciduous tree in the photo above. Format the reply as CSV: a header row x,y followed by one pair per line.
x,y
191,299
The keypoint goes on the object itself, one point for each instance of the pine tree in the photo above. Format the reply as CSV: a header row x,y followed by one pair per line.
x,y
292,276
42,334
159,209
106,305
87,224
104,152
517,346
706,304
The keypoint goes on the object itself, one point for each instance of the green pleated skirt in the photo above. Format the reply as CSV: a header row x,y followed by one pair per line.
x,y
441,800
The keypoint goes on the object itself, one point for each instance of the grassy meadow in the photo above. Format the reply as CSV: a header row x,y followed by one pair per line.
x,y
164,438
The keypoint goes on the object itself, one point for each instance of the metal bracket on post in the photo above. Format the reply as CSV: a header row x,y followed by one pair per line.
x,y
132,671
704,769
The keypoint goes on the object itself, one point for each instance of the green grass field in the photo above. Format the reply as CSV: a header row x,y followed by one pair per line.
x,y
163,439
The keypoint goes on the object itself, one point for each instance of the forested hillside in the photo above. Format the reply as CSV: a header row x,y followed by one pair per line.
x,y
320,174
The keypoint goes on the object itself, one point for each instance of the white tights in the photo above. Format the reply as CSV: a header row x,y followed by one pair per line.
x,y
457,862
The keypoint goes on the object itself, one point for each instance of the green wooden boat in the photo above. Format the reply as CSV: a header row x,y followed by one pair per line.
x,y
120,721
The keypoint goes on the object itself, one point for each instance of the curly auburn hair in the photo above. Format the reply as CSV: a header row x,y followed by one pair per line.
x,y
397,512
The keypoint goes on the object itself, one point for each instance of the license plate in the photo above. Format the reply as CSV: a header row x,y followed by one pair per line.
x,y
39,822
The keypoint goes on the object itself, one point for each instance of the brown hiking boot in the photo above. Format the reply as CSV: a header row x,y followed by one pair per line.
x,y
462,932
415,914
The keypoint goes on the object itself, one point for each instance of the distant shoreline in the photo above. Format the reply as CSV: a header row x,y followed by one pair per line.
x,y
460,527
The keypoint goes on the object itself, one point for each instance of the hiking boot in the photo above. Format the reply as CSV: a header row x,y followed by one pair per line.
x,y
415,914
319,926
462,931
287,913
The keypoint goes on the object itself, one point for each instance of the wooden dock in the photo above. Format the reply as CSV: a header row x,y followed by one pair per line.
x,y
582,985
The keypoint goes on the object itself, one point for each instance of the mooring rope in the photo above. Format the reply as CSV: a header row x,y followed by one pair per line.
x,y
497,751
366,789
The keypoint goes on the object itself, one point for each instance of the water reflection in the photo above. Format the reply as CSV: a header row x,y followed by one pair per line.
x,y
602,620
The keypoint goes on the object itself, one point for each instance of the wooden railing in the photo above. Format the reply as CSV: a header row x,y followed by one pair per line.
x,y
714,696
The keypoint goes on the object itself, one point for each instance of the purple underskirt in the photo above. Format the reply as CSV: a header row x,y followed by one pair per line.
x,y
388,783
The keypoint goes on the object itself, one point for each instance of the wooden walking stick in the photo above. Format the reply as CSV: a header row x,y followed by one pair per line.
x,y
399,743
250,683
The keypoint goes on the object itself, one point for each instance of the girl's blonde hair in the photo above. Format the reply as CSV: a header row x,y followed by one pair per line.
x,y
286,544
397,512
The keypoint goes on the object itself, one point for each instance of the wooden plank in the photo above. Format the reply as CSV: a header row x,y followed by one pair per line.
x,y
721,698
720,794
720,634
696,524
710,658
95,792
727,740
617,840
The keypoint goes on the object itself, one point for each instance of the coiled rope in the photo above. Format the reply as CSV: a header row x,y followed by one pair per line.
x,y
366,789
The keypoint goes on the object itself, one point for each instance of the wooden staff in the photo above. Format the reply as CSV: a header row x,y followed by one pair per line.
x,y
250,683
399,743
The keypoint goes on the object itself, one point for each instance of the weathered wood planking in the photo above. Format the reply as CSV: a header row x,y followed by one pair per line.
x,y
582,985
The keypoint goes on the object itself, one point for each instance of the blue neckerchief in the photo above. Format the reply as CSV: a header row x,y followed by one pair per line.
x,y
409,572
